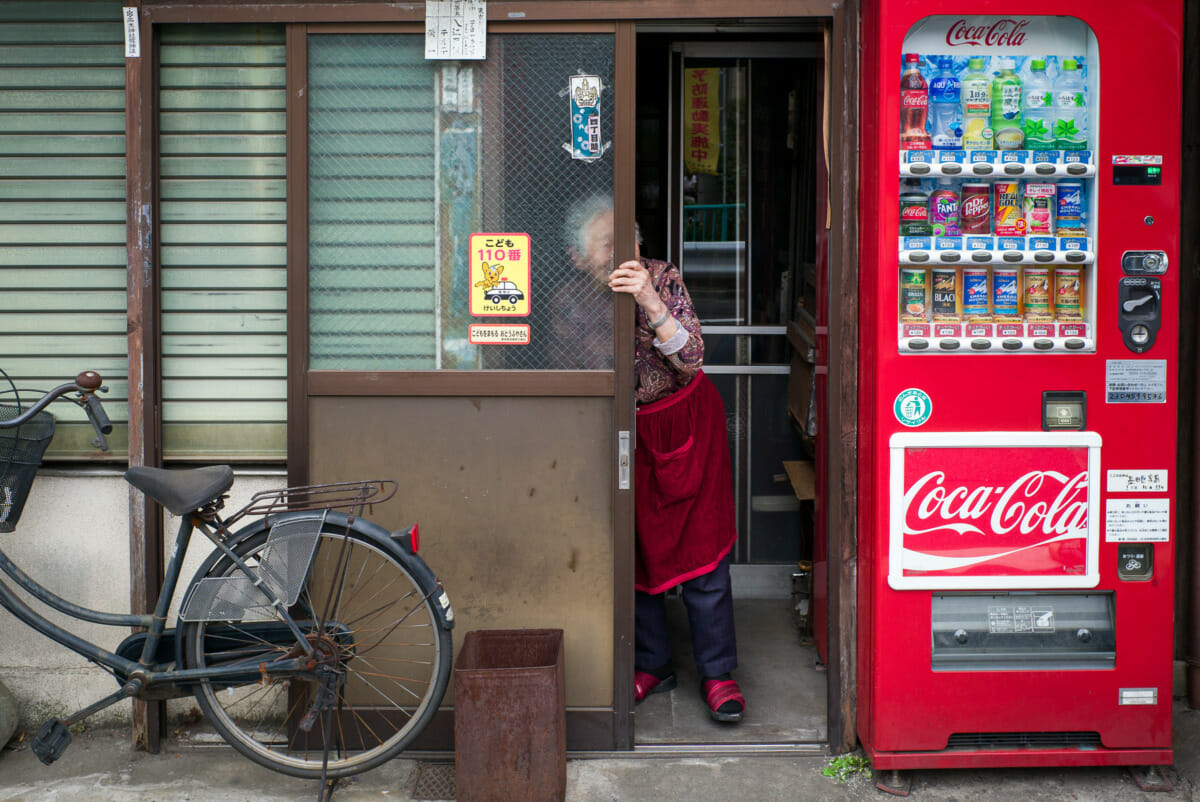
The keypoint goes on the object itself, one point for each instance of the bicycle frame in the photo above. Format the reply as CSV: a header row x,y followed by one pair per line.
x,y
144,670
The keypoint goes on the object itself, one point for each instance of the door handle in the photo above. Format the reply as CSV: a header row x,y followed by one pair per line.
x,y
623,460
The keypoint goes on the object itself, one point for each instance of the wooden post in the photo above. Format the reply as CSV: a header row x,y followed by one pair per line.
x,y
145,528
843,377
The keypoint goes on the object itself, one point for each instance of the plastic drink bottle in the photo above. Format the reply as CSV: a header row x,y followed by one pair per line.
x,y
1070,108
1006,107
1036,101
914,105
914,210
945,115
976,95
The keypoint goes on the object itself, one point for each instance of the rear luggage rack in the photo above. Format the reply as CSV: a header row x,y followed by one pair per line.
x,y
353,496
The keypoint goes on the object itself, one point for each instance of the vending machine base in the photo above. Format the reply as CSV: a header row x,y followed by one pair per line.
x,y
1017,758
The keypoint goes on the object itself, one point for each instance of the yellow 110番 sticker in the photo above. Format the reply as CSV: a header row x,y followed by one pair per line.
x,y
499,271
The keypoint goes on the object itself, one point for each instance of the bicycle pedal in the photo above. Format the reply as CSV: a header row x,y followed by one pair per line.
x,y
51,741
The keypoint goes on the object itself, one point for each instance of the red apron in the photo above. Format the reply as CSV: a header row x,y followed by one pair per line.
x,y
683,487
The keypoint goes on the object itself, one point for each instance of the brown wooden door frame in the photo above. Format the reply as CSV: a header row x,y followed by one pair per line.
x,y
603,731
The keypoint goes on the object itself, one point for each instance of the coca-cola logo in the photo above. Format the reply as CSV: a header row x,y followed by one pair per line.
x,y
914,213
1001,33
914,100
975,207
1046,504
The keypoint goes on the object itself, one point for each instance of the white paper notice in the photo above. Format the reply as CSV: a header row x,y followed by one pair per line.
x,y
1137,481
133,38
1137,520
456,29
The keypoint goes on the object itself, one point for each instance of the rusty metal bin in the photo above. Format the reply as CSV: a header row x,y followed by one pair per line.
x,y
510,716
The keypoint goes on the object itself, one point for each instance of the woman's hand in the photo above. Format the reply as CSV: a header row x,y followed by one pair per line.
x,y
631,277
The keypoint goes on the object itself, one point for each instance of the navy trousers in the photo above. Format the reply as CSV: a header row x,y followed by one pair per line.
x,y
709,602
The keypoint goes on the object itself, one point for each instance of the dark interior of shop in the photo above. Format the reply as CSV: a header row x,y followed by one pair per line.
x,y
746,233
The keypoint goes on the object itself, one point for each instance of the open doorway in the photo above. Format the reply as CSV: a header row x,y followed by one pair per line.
x,y
729,159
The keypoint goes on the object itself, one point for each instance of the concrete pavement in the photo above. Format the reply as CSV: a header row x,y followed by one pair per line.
x,y
100,766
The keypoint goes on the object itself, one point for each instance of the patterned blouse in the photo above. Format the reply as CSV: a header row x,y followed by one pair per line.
x,y
657,375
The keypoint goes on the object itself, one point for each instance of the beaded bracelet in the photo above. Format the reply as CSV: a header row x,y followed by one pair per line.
x,y
666,316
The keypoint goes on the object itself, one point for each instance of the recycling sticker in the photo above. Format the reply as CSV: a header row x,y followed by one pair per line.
x,y
912,407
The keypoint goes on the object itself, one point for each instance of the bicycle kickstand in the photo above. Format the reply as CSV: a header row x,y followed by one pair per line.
x,y
54,736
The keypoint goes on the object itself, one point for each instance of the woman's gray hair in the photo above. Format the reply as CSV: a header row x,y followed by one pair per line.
x,y
581,213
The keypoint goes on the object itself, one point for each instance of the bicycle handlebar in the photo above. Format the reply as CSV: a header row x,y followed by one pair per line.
x,y
86,384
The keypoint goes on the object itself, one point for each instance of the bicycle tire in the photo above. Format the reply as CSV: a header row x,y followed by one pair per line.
x,y
387,637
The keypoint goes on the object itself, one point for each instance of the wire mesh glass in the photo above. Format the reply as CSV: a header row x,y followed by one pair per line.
x,y
408,158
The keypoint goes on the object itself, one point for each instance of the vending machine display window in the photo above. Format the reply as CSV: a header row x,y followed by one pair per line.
x,y
997,200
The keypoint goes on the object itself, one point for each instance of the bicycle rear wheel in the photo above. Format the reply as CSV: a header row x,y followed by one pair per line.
x,y
368,610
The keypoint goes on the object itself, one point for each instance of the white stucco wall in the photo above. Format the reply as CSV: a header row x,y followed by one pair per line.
x,y
73,537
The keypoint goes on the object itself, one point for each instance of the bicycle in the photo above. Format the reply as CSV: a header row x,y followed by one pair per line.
x,y
316,642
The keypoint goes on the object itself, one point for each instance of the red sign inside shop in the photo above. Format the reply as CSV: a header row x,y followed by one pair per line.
x,y
980,509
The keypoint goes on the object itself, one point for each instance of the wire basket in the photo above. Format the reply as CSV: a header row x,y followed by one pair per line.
x,y
21,450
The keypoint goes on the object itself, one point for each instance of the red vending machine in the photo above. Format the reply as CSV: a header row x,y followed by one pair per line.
x,y
1019,310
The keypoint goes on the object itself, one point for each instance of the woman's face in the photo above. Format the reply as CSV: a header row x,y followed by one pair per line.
x,y
597,241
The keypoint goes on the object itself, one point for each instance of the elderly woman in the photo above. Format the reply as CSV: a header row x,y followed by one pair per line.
x,y
683,483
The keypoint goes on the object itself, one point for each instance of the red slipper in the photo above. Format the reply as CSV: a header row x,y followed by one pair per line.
x,y
646,684
724,699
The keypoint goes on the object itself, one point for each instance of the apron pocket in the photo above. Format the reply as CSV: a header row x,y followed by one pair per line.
x,y
677,474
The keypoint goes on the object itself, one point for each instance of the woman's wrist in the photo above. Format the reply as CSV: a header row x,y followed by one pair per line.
x,y
658,321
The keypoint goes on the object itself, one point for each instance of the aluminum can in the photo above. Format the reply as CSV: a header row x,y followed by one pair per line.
x,y
975,209
1006,293
1071,218
944,212
1038,205
945,294
914,294
976,285
1067,295
1036,281
1010,222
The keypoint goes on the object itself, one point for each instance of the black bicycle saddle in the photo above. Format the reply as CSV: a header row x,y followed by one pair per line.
x,y
182,491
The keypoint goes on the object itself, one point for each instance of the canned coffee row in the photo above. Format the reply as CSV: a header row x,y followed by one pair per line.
x,y
1026,293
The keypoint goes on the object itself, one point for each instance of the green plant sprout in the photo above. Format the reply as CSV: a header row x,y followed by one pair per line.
x,y
843,767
